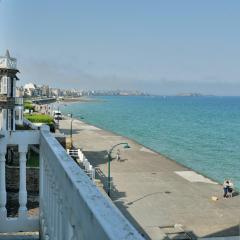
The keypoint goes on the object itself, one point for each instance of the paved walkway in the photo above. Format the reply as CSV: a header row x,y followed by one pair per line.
x,y
156,194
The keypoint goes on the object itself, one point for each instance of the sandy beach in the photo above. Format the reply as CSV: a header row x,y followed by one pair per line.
x,y
159,196
78,99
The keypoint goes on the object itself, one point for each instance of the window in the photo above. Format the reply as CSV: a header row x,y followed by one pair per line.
x,y
4,85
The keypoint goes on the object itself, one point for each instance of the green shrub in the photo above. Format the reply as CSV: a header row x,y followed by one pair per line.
x,y
39,118
33,160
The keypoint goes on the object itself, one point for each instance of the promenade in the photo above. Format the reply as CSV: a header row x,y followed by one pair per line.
x,y
159,197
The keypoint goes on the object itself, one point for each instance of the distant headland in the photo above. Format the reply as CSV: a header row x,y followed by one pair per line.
x,y
191,94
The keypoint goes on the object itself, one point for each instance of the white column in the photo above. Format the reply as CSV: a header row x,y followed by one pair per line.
x,y
22,185
3,194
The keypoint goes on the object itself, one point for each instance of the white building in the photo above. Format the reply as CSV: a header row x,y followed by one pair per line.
x,y
11,109
29,88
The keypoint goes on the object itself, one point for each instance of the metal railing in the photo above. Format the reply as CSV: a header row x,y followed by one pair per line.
x,y
19,101
7,102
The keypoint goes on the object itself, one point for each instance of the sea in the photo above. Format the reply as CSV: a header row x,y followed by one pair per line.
x,y
202,133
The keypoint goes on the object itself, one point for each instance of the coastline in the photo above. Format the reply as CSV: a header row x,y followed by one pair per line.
x,y
169,137
153,190
79,100
150,149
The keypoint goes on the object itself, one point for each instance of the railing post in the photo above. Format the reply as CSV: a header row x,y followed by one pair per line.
x,y
22,185
3,193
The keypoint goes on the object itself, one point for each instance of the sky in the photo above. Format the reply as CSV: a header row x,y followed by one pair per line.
x,y
160,47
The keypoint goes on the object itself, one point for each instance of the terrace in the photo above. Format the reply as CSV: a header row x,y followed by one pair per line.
x,y
70,205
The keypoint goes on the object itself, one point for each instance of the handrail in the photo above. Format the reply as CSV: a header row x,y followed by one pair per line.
x,y
71,206
19,100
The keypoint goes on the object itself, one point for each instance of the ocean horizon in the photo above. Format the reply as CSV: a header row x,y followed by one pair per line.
x,y
201,133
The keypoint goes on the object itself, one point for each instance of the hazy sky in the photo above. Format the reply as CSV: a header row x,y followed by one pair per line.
x,y
162,47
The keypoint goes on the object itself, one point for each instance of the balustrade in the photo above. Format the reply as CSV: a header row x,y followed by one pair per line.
x,y
22,222
19,101
71,206
3,194
22,182
84,212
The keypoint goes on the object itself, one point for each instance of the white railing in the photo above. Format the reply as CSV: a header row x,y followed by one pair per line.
x,y
83,162
71,206
23,222
19,100
28,123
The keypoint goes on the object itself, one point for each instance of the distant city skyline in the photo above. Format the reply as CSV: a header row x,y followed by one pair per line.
x,y
159,47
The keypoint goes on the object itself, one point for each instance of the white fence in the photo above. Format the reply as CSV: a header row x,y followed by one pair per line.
x,y
29,124
23,222
83,162
71,206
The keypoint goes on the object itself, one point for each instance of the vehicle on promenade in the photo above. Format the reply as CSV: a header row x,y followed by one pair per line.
x,y
57,115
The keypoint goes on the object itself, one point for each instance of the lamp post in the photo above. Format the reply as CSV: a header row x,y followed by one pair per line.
x,y
70,115
109,164
58,113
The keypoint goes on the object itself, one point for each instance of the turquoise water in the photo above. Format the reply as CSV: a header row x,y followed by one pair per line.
x,y
202,133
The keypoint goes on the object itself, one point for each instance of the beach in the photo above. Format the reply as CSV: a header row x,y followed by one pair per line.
x,y
157,195
198,132
71,100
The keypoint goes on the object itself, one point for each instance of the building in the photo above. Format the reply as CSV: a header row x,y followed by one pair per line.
x,y
45,91
29,89
11,112
55,92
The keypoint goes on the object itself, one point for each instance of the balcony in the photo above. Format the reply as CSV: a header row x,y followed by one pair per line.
x,y
19,101
7,102
71,206
10,102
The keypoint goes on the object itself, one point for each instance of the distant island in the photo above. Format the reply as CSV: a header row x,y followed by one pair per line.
x,y
190,94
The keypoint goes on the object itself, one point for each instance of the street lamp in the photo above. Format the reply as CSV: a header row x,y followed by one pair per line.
x,y
126,145
71,127
70,115
58,116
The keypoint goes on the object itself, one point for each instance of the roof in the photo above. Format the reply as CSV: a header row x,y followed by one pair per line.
x,y
29,86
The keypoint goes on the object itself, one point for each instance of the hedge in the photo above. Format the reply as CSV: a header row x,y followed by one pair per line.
x,y
39,118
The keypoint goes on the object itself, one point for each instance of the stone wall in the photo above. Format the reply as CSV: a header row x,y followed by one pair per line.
x,y
12,178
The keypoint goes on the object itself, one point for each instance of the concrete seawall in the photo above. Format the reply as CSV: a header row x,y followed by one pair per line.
x,y
159,196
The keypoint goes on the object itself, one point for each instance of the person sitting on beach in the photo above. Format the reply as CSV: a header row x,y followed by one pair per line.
x,y
227,188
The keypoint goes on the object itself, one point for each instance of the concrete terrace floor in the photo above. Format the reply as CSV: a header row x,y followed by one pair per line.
x,y
150,193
